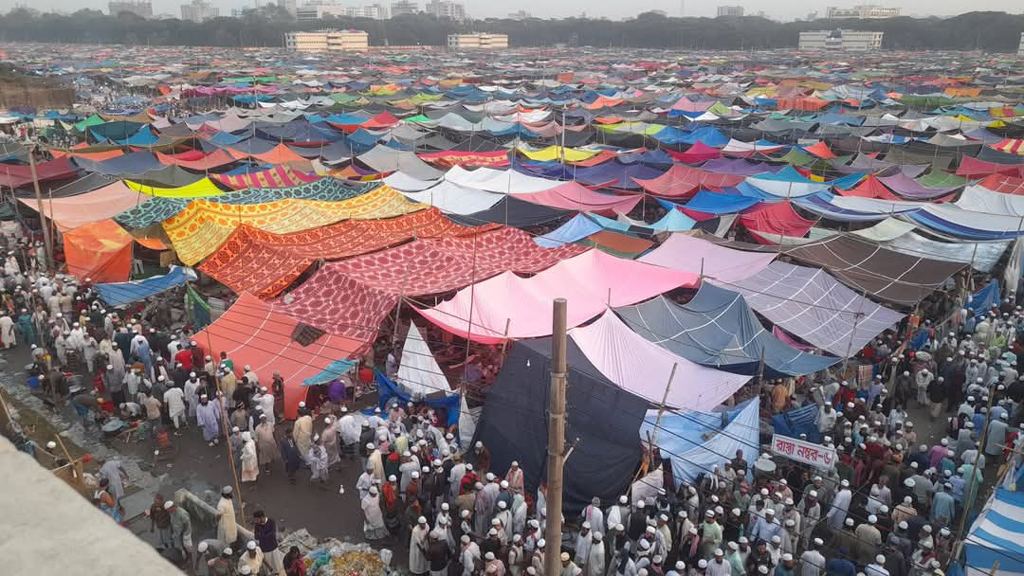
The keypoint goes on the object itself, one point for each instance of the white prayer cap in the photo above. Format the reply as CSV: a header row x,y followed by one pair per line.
x,y
502,504
465,538
421,520
702,563
880,559
504,484
515,463
169,504
489,556
586,525
541,543
416,475
492,532
564,556
392,478
251,545
245,570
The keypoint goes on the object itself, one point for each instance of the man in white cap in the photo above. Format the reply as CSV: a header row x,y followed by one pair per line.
x,y
329,435
174,398
251,376
569,568
418,544
595,565
227,529
251,558
303,430
469,555
812,562
840,506
617,513
349,430
181,527
996,437
869,539
593,514
826,417
583,542
876,568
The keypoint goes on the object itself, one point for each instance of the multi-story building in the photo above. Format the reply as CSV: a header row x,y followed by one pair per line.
x,y
403,7
290,6
478,40
372,11
327,40
852,40
317,10
863,12
141,8
199,11
447,9
730,10
520,15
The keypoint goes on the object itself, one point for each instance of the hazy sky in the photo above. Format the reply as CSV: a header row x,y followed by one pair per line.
x,y
615,9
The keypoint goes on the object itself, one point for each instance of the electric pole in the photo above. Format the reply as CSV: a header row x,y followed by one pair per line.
x,y
42,214
556,441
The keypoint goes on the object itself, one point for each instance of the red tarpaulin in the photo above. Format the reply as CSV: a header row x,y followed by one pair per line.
x,y
1004,183
494,159
574,196
777,218
202,163
699,152
869,187
276,177
974,168
16,175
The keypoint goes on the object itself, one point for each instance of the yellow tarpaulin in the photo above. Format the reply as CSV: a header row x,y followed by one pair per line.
x,y
555,153
199,229
197,189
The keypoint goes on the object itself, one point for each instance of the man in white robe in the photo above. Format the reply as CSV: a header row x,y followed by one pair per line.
x,y
840,506
418,563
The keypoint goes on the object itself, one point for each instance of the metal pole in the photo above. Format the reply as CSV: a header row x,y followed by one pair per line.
x,y
556,441
42,214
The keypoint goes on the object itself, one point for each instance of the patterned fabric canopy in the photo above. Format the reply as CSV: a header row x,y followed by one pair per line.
x,y
264,264
199,229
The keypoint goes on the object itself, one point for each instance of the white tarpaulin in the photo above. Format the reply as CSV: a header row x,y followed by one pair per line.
x,y
418,371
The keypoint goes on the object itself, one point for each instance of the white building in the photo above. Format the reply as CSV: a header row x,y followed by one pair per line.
x,y
863,12
447,9
1020,49
372,11
199,11
851,40
478,40
730,11
327,40
404,7
520,15
319,10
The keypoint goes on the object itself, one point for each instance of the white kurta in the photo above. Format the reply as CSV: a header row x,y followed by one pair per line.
x,y
837,513
418,563
227,530
303,432
595,562
250,464
7,337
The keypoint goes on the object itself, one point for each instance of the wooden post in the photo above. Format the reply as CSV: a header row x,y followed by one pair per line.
x,y
664,401
556,440
970,482
42,214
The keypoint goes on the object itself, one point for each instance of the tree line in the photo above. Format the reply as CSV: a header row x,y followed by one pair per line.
x,y
265,27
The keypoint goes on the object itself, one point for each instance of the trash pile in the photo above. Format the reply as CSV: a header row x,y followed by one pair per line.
x,y
332,557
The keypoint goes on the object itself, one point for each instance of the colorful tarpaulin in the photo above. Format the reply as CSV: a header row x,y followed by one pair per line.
x,y
101,251
199,229
252,333
685,180
18,175
811,304
645,369
573,196
263,264
198,189
276,177
523,306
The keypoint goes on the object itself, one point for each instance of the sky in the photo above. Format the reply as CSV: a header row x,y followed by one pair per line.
x,y
614,9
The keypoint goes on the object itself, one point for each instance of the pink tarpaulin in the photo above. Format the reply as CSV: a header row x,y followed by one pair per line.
x,y
869,187
644,368
252,333
591,282
777,218
689,254
575,196
73,211
1004,183
685,180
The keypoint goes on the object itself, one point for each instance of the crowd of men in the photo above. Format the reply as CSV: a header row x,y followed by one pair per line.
x,y
893,505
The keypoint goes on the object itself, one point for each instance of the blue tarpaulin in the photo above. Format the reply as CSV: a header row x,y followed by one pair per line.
x,y
715,203
683,435
116,293
798,421
332,371
578,228
388,390
984,299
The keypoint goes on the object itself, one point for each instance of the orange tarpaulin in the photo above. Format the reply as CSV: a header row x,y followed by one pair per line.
x,y
252,333
101,251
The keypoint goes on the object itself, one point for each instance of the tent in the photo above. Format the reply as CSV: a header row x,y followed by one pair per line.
x,y
576,197
117,293
70,212
995,536
690,254
811,304
698,442
798,421
252,332
509,306
775,218
389,392
684,180
718,328
604,417
99,250
418,371
649,371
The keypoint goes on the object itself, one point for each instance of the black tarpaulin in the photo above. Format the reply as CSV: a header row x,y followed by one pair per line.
x,y
512,212
602,421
